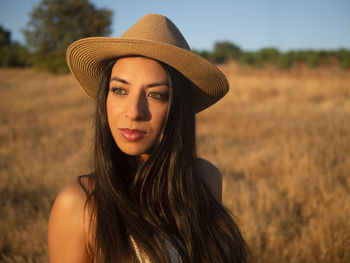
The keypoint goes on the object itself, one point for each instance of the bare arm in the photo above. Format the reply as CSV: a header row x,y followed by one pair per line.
x,y
68,225
211,175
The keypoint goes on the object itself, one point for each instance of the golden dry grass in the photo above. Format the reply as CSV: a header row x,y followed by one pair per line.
x,y
281,139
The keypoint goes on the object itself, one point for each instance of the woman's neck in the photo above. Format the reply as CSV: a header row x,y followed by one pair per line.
x,y
142,158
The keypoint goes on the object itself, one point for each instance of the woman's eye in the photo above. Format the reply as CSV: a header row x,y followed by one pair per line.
x,y
158,96
119,91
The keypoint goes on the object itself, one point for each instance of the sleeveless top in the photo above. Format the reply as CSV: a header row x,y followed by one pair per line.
x,y
171,250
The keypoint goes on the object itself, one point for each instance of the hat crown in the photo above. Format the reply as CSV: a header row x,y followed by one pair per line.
x,y
158,28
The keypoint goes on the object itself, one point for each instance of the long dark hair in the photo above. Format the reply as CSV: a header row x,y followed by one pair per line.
x,y
161,199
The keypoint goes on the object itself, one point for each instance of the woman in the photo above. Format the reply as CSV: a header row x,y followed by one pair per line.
x,y
149,198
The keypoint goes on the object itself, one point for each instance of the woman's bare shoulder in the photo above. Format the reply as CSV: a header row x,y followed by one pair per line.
x,y
211,176
73,195
69,223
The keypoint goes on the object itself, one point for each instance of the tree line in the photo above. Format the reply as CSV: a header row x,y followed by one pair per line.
x,y
54,24
225,50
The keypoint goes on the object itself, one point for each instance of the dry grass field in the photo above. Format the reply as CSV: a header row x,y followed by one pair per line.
x,y
281,139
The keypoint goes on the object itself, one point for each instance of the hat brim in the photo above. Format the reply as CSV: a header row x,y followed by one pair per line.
x,y
87,59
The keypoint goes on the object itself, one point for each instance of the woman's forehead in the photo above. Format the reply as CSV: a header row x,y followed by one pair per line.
x,y
139,69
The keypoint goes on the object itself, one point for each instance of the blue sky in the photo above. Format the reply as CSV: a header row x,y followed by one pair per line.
x,y
250,24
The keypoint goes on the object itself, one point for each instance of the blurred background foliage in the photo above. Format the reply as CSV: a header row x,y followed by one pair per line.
x,y
54,24
12,54
224,51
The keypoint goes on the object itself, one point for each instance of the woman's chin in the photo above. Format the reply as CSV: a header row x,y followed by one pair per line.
x,y
134,151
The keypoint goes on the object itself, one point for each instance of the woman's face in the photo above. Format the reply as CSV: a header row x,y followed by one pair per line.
x,y
137,104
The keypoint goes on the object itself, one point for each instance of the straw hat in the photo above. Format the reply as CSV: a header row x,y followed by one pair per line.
x,y
153,36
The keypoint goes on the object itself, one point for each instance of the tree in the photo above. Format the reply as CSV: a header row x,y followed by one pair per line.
x,y
12,54
251,59
270,55
343,57
225,50
5,37
54,24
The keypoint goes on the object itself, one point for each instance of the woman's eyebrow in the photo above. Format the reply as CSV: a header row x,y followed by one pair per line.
x,y
155,84
119,80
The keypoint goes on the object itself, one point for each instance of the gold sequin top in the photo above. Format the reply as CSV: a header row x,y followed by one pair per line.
x,y
171,250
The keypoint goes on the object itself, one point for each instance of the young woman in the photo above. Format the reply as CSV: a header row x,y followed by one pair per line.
x,y
149,197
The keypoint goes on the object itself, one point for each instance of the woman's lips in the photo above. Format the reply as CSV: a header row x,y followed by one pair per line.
x,y
132,134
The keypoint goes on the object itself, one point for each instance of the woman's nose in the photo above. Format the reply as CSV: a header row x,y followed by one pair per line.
x,y
137,108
